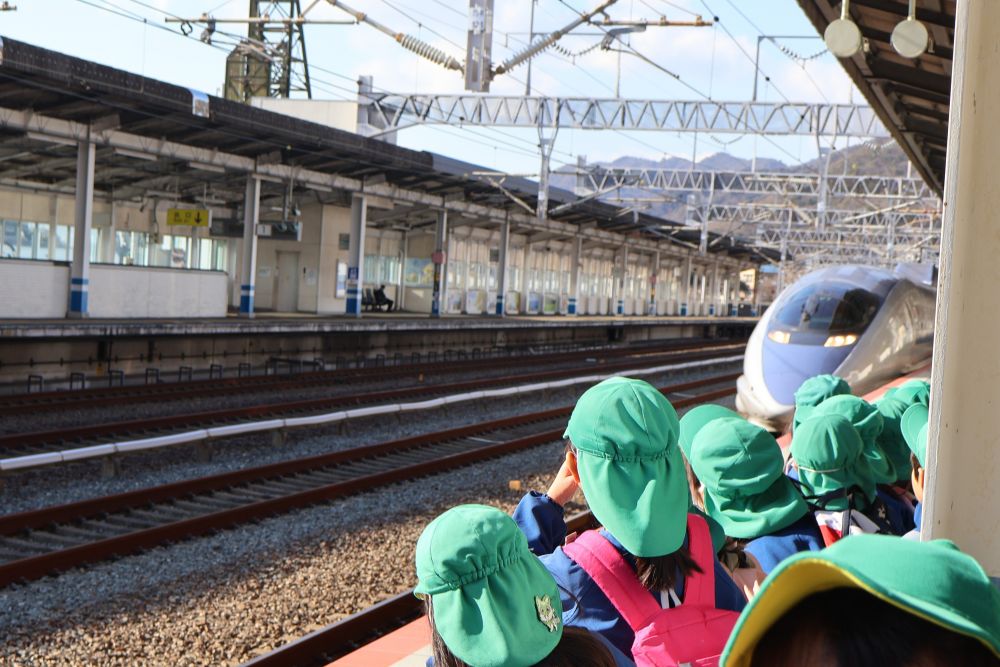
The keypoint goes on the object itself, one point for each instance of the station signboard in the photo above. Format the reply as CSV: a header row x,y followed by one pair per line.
x,y
189,217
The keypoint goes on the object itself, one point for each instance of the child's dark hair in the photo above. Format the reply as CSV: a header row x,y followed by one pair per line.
x,y
660,572
577,648
846,627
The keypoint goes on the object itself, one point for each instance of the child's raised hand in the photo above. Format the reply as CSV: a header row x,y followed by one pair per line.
x,y
564,486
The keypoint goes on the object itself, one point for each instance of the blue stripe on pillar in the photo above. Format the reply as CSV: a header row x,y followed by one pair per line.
x,y
353,302
499,304
79,281
621,306
246,299
78,300
571,307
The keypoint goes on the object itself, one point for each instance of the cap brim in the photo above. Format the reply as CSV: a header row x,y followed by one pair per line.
x,y
806,576
644,506
696,418
911,424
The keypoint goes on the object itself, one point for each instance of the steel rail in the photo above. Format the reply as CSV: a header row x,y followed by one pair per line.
x,y
102,396
346,635
43,441
40,527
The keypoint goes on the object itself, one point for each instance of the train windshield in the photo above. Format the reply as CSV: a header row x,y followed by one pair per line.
x,y
829,307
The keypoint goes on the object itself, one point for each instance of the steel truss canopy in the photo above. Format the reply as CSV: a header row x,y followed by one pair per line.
x,y
760,183
157,141
779,118
911,96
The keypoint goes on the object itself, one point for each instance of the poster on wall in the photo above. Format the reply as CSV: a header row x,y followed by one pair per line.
x,y
418,272
475,301
534,303
341,280
550,304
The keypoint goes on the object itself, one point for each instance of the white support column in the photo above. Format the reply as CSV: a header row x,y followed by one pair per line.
x,y
108,242
714,306
962,495
504,244
79,273
574,278
620,283
686,306
439,298
356,254
654,276
248,274
401,289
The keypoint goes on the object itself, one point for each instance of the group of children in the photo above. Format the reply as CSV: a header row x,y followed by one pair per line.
x,y
713,550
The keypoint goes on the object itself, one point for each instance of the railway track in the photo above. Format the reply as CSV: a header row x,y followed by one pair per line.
x,y
42,442
342,378
36,543
338,639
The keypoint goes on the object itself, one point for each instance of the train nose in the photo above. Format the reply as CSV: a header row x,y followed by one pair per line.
x,y
786,366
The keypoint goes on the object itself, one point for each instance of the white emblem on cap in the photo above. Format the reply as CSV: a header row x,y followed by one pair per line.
x,y
546,614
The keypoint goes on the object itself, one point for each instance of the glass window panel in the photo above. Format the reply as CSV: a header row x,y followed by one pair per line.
x,y
26,248
43,241
9,239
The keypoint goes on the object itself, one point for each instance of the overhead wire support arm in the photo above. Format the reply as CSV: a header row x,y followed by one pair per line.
x,y
535,48
408,42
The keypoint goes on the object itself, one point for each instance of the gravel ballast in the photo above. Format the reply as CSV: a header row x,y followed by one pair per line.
x,y
223,599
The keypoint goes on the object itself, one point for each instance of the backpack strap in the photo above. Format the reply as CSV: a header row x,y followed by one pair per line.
x,y
615,578
699,587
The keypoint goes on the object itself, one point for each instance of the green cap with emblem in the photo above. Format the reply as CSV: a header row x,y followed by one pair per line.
x,y
814,391
631,470
828,452
914,428
746,489
868,422
494,603
932,580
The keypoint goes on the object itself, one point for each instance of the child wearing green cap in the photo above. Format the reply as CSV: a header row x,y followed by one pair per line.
x,y
886,509
625,458
740,466
833,472
814,391
490,602
913,426
871,601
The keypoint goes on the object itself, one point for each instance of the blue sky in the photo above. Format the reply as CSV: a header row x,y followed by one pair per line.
x,y
715,62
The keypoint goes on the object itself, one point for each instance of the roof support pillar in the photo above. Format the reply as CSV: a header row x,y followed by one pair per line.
x,y
686,292
439,296
574,276
356,254
499,309
248,272
79,274
654,277
963,445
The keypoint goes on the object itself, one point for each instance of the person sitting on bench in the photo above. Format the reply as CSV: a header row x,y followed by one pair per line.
x,y
381,299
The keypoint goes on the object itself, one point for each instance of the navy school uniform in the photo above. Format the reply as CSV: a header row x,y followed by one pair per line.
x,y
769,550
584,604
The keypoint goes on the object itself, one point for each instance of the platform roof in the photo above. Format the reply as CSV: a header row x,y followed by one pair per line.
x,y
911,96
55,85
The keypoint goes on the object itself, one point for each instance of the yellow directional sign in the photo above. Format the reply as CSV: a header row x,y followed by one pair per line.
x,y
189,217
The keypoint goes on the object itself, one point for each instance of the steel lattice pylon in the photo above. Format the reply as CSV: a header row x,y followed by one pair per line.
x,y
272,61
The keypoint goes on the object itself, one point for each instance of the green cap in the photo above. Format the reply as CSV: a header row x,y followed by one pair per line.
x,y
494,603
914,428
868,422
814,391
695,418
828,452
746,489
913,392
891,439
631,471
932,580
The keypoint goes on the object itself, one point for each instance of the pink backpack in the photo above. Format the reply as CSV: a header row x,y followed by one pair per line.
x,y
693,633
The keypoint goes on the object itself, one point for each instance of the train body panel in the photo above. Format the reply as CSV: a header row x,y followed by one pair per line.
x,y
864,324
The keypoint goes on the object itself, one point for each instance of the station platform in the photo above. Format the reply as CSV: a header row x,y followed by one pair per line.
x,y
305,324
410,646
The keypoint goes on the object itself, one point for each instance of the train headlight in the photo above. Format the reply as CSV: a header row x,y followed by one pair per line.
x,y
779,336
840,340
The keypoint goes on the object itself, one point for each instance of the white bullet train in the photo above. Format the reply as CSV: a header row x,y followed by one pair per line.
x,y
864,324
